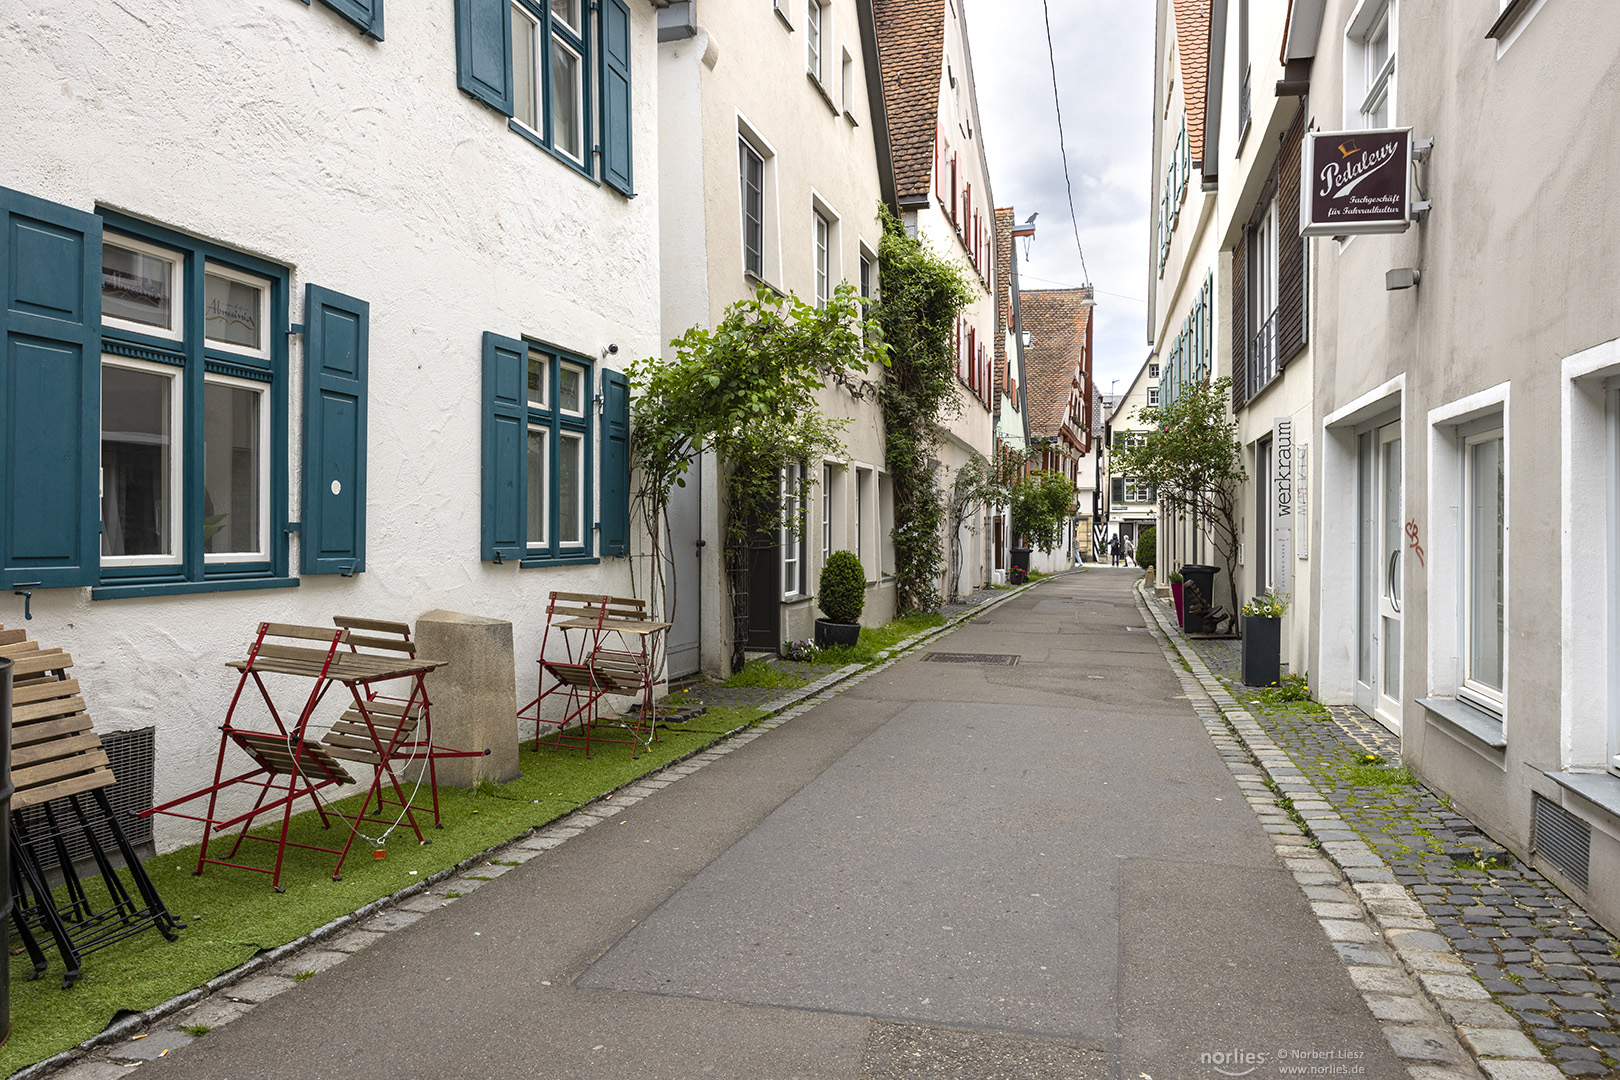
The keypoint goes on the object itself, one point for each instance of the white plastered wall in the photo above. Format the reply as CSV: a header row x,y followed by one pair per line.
x,y
276,129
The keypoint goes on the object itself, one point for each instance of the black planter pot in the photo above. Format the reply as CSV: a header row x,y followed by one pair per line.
x,y
1020,558
1198,597
1262,650
836,633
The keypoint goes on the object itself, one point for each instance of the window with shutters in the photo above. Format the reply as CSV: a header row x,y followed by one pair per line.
x,y
1262,298
366,15
193,395
560,69
544,470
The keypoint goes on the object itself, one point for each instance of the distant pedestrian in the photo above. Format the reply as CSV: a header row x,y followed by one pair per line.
x,y
1130,551
1114,550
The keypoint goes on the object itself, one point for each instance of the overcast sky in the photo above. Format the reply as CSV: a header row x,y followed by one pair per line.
x,y
1104,52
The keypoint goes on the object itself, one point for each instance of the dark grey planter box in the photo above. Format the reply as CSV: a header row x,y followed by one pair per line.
x,y
1262,650
836,633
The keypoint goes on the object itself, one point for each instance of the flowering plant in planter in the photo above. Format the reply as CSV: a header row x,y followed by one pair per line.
x,y
802,652
1268,605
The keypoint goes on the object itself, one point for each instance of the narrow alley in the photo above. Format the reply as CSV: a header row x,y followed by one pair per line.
x,y
1034,863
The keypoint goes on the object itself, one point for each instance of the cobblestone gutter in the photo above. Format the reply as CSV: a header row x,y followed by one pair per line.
x,y
1520,973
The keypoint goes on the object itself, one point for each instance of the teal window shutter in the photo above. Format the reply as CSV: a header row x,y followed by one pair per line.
x,y
336,341
615,464
367,15
506,447
50,392
484,52
1118,489
616,141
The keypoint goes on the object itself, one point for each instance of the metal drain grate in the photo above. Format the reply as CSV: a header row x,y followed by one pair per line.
x,y
130,754
1003,659
1562,839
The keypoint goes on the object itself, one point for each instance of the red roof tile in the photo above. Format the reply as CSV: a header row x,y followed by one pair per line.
x,y
1056,321
911,50
1192,45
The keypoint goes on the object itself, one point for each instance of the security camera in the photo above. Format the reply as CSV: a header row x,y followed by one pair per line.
x,y
613,350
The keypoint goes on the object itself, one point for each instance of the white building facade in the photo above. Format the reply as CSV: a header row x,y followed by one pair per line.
x,y
306,315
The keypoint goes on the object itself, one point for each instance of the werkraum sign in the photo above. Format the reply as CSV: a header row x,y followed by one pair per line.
x,y
1356,182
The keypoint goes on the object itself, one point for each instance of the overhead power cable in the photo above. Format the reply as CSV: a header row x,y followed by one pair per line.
x,y
1073,217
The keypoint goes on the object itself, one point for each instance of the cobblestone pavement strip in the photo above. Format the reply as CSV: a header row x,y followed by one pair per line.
x,y
132,1039
1530,981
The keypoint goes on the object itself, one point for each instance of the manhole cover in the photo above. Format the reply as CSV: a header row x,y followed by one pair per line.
x,y
1004,659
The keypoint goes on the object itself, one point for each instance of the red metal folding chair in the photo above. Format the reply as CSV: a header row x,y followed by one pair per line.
x,y
288,763
609,646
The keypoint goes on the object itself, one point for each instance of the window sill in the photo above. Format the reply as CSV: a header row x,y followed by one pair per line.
x,y
787,24
1505,23
755,280
1477,724
822,90
181,588
1599,789
532,562
576,166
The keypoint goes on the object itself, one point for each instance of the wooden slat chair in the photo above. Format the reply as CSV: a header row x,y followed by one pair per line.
x,y
287,763
401,726
606,651
60,770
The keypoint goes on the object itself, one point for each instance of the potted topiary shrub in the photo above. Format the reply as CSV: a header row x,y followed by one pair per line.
x,y
841,595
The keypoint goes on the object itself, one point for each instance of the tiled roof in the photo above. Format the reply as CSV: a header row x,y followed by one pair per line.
x,y
1192,44
1004,258
911,50
1056,321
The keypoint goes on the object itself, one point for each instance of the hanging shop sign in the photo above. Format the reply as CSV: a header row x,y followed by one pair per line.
x,y
1357,182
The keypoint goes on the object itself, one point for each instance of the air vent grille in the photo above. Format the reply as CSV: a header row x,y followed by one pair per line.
x,y
1563,839
131,755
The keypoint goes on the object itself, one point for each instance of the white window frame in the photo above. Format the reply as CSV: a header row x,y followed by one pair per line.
x,y
1263,290
543,541
565,436
813,36
264,285
262,554
1136,491
533,64
176,491
584,388
1612,422
1492,698
846,84
821,240
791,536
1367,90
1152,395
581,88
177,285
770,252
863,517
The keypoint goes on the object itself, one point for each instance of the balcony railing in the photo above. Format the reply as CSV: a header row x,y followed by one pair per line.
x,y
1263,355
1243,103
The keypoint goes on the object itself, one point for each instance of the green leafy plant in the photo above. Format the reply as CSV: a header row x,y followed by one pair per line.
x,y
197,1031
1291,689
841,592
1147,547
1191,456
303,975
923,294
1384,776
1175,577
979,484
1268,605
801,652
747,391
1042,505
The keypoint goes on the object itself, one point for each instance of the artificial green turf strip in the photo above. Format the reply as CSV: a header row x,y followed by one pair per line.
x,y
233,914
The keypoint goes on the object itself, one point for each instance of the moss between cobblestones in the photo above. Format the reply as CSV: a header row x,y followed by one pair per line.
x,y
1533,948
233,914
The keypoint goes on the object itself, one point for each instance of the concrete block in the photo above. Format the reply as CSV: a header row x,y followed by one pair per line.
x,y
474,696
1520,1070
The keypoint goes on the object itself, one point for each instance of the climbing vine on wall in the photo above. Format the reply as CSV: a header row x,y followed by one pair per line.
x,y
922,295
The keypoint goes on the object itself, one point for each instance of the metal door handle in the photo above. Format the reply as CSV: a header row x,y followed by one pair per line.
x,y
1390,589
